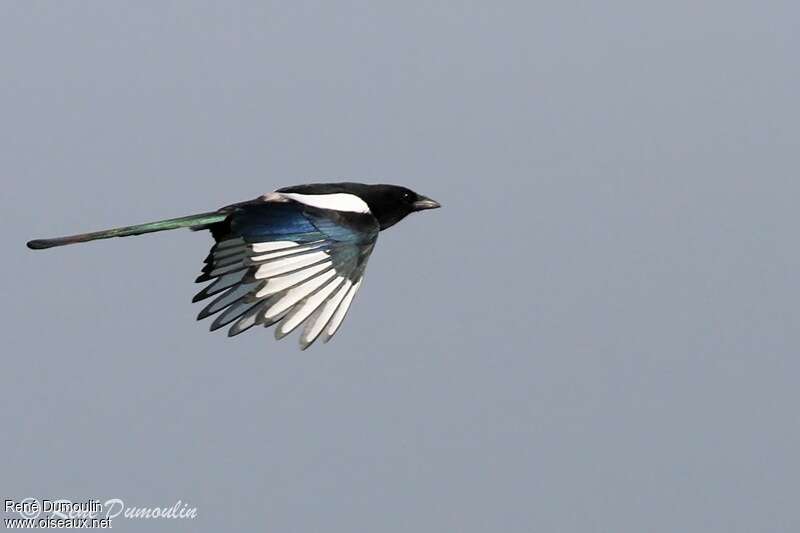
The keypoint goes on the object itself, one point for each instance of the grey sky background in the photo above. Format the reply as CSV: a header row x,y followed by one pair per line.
x,y
599,331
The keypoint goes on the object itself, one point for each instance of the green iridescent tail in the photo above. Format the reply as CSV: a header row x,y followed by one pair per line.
x,y
192,221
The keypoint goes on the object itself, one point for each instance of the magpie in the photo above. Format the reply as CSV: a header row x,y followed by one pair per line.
x,y
290,257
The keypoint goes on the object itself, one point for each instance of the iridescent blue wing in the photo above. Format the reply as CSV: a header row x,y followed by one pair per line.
x,y
288,264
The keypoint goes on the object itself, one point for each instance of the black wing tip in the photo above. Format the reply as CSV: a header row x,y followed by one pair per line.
x,y
206,312
233,331
199,296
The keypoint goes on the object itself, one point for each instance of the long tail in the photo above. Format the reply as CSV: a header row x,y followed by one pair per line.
x,y
191,221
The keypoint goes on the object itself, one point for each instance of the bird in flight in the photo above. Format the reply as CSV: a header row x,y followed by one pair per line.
x,y
294,256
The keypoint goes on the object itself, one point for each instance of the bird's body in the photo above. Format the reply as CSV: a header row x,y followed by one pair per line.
x,y
291,257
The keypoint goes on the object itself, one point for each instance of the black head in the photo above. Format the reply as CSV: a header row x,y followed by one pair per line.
x,y
391,203
388,203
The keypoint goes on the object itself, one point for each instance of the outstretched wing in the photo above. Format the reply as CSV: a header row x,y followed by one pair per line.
x,y
286,263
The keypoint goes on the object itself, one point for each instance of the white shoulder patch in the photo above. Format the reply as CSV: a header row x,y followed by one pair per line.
x,y
339,201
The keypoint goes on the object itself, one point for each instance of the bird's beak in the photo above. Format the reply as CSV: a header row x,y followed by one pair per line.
x,y
425,203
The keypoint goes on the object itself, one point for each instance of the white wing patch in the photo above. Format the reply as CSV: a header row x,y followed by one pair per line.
x,y
280,283
294,295
339,201
303,310
272,245
283,252
290,264
341,311
323,315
